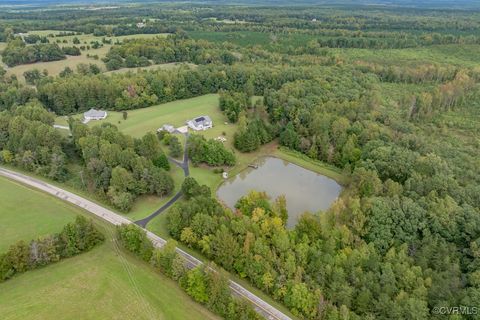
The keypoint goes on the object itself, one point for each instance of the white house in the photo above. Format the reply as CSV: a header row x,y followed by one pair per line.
x,y
200,123
94,114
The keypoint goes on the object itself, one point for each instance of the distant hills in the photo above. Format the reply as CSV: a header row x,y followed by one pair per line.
x,y
444,4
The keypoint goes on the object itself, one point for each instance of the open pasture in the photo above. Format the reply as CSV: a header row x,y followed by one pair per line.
x,y
104,283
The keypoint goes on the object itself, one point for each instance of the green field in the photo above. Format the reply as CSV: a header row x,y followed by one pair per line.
x,y
26,214
105,283
141,121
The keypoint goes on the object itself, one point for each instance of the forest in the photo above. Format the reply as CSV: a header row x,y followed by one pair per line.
x,y
389,97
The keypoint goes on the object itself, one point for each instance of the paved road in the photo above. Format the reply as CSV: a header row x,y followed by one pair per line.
x,y
262,307
186,171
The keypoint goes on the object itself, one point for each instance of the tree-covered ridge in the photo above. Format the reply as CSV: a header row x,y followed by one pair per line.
x,y
131,91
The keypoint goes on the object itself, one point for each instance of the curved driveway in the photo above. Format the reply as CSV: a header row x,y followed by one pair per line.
x,y
186,171
262,307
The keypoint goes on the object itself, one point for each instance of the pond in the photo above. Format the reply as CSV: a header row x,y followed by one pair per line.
x,y
304,190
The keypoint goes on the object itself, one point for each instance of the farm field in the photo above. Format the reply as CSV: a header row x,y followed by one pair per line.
x,y
105,283
55,67
35,215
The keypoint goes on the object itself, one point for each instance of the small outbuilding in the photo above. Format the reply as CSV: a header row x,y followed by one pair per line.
x,y
94,114
168,128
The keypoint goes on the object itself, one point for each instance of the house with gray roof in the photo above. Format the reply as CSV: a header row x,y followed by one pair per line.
x,y
94,114
200,123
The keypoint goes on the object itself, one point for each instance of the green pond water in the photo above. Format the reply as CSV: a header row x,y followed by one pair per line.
x,y
304,190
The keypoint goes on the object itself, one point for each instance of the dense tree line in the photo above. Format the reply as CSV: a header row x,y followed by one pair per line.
x,y
205,284
131,91
139,52
35,38
12,92
253,133
28,140
119,167
423,73
17,52
233,103
33,76
114,166
75,238
211,152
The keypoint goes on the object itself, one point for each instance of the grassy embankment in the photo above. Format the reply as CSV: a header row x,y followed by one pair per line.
x,y
104,283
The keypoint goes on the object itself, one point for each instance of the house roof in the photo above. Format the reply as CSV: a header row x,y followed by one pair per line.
x,y
94,113
202,120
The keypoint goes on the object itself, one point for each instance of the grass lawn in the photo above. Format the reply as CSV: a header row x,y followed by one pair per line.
x,y
26,213
105,283
141,121
176,113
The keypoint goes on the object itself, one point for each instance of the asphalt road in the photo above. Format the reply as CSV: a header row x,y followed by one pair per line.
x,y
263,308
186,171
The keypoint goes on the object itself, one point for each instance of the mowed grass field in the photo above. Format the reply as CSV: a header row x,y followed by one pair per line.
x,y
55,67
141,121
104,283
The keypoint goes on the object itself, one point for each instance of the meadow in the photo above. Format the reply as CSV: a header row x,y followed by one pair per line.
x,y
104,283
55,67
141,121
